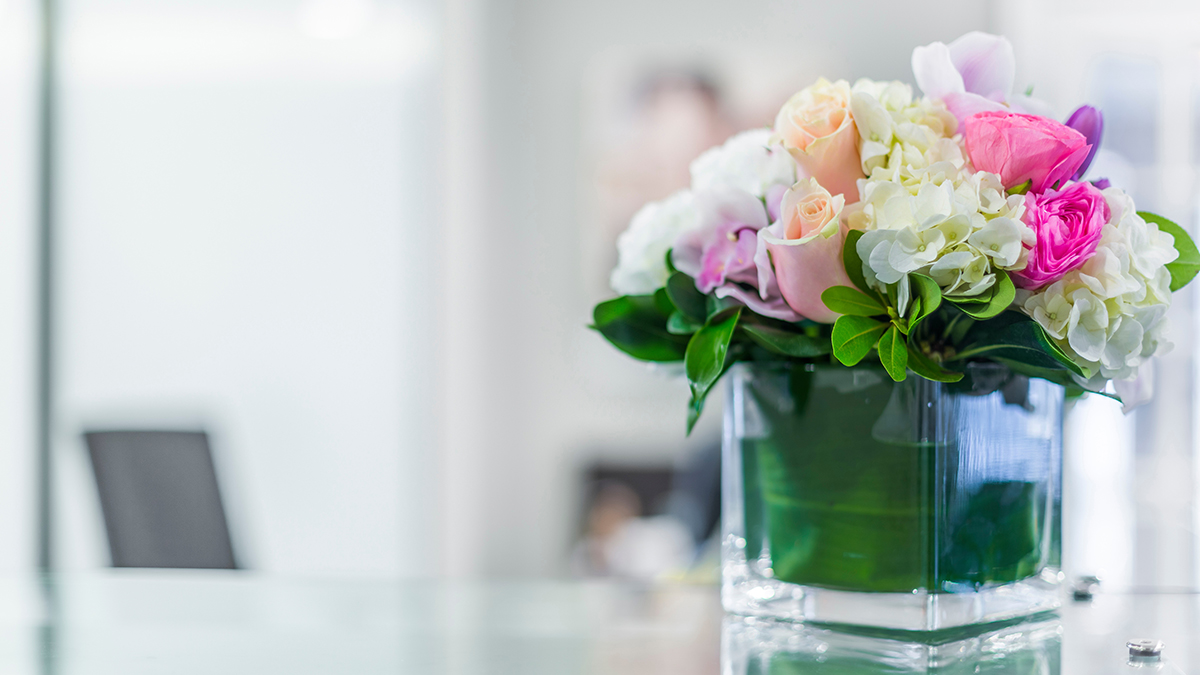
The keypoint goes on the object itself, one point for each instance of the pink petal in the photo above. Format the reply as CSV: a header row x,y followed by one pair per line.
x,y
963,106
775,308
986,64
804,271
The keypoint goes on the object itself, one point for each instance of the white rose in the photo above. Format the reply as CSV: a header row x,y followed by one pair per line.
x,y
642,248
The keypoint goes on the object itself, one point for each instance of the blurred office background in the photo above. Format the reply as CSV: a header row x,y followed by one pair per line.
x,y
357,242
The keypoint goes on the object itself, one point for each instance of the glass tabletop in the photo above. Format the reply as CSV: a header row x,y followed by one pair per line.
x,y
125,621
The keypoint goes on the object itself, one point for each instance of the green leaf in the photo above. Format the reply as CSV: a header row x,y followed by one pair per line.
x,y
683,293
785,342
1054,375
695,408
1018,338
663,302
854,336
705,362
706,352
853,263
637,325
922,365
717,306
851,301
1052,348
1021,189
1000,296
670,263
927,297
682,324
1185,267
893,354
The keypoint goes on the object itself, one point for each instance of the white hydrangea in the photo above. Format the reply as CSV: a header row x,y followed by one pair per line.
x,y
642,248
955,227
747,162
902,138
1109,315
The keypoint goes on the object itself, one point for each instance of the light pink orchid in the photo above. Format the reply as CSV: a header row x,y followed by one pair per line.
x,y
719,252
972,74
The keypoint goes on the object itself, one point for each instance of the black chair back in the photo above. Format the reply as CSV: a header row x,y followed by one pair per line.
x,y
158,491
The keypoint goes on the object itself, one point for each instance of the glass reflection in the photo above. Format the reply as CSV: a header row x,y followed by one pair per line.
x,y
760,647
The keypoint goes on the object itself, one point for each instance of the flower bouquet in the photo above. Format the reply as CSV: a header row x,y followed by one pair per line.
x,y
904,288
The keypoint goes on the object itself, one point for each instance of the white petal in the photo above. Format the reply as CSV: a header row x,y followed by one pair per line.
x,y
934,71
1137,390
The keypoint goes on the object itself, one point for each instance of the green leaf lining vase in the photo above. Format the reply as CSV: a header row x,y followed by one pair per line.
x,y
906,506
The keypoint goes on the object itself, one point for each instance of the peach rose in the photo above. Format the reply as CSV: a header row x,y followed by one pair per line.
x,y
817,128
804,249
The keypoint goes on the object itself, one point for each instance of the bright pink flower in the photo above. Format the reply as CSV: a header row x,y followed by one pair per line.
x,y
1068,225
1024,148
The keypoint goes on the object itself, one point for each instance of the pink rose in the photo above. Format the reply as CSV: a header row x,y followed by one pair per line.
x,y
817,128
1024,148
1068,224
803,249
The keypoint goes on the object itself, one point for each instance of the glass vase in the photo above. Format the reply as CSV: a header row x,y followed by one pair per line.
x,y
849,499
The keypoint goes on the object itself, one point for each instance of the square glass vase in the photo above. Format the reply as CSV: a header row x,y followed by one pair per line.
x,y
915,507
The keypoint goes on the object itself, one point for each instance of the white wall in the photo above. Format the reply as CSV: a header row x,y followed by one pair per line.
x,y
246,218
18,133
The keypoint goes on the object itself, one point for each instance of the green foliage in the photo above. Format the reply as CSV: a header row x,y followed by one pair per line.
x,y
851,301
927,297
682,324
853,263
854,336
715,306
637,325
1017,338
1020,189
785,342
893,354
1185,267
681,289
990,303
922,365
705,359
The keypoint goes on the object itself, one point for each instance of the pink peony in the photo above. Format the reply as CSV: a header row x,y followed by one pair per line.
x,y
1024,148
1068,225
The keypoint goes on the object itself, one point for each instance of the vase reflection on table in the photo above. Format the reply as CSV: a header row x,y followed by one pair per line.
x,y
908,506
755,647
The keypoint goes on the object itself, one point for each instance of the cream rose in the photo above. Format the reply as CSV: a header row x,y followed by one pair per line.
x,y
817,128
804,248
808,210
